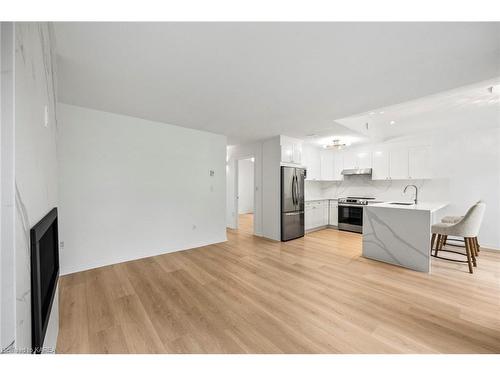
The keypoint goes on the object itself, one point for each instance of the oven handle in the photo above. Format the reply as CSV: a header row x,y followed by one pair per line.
x,y
351,205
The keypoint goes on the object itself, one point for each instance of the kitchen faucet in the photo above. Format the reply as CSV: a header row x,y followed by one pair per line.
x,y
416,192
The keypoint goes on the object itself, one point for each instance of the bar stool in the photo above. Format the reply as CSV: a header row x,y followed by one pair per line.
x,y
454,220
467,228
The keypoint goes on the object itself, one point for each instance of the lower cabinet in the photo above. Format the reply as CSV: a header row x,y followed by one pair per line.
x,y
317,214
334,213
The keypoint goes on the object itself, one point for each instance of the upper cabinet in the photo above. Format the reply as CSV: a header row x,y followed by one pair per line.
x,y
338,165
398,165
419,165
401,163
311,159
322,165
388,161
332,164
327,165
291,150
356,159
380,168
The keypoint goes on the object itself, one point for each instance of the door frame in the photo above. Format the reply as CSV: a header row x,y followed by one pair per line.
x,y
236,189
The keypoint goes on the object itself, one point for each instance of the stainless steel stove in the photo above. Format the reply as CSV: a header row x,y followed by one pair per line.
x,y
351,213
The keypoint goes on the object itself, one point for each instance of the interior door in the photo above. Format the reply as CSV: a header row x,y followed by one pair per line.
x,y
288,189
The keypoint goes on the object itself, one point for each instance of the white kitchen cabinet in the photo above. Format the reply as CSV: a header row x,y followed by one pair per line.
x,y
381,165
291,150
312,161
419,165
332,164
308,216
398,166
350,160
402,163
327,165
338,166
364,159
316,214
323,214
357,159
334,213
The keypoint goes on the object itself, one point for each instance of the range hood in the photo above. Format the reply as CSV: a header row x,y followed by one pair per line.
x,y
357,171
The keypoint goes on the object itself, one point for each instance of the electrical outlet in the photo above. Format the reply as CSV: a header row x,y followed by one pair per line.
x,y
61,245
212,173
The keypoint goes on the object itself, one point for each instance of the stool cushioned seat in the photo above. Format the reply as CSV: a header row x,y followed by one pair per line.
x,y
451,219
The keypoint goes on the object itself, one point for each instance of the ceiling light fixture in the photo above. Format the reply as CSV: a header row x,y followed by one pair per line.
x,y
336,144
393,122
381,112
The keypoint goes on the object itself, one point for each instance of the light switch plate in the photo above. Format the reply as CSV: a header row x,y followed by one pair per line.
x,y
46,117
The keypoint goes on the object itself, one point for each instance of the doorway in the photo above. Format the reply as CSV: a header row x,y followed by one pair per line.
x,y
246,195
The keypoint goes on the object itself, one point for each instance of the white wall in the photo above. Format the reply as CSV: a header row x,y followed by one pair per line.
x,y
131,188
7,217
466,166
35,162
271,192
245,186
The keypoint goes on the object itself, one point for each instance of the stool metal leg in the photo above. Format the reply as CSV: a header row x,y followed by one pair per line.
x,y
433,238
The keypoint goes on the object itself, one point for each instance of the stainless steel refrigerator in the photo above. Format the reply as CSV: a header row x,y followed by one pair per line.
x,y
292,202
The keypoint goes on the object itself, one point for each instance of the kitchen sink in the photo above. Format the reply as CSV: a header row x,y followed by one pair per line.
x,y
403,203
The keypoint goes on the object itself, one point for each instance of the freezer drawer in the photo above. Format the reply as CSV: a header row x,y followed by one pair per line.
x,y
292,225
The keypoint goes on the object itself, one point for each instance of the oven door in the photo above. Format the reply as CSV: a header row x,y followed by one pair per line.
x,y
351,218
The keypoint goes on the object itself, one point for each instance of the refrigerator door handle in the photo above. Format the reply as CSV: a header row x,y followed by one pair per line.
x,y
294,199
297,191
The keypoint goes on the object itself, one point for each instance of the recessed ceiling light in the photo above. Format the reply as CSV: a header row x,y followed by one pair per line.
x,y
494,89
372,113
393,122
381,112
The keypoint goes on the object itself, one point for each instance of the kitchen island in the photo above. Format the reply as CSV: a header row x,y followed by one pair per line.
x,y
400,233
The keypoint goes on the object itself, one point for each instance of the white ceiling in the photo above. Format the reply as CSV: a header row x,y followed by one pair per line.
x,y
469,107
254,80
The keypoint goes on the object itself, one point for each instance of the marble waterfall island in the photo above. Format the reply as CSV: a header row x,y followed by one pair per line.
x,y
400,233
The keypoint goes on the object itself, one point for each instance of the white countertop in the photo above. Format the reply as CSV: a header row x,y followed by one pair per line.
x,y
320,199
421,206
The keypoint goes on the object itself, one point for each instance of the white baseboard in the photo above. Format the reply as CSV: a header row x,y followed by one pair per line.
x,y
153,253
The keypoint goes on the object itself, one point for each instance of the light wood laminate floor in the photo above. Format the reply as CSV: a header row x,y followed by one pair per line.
x,y
250,295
